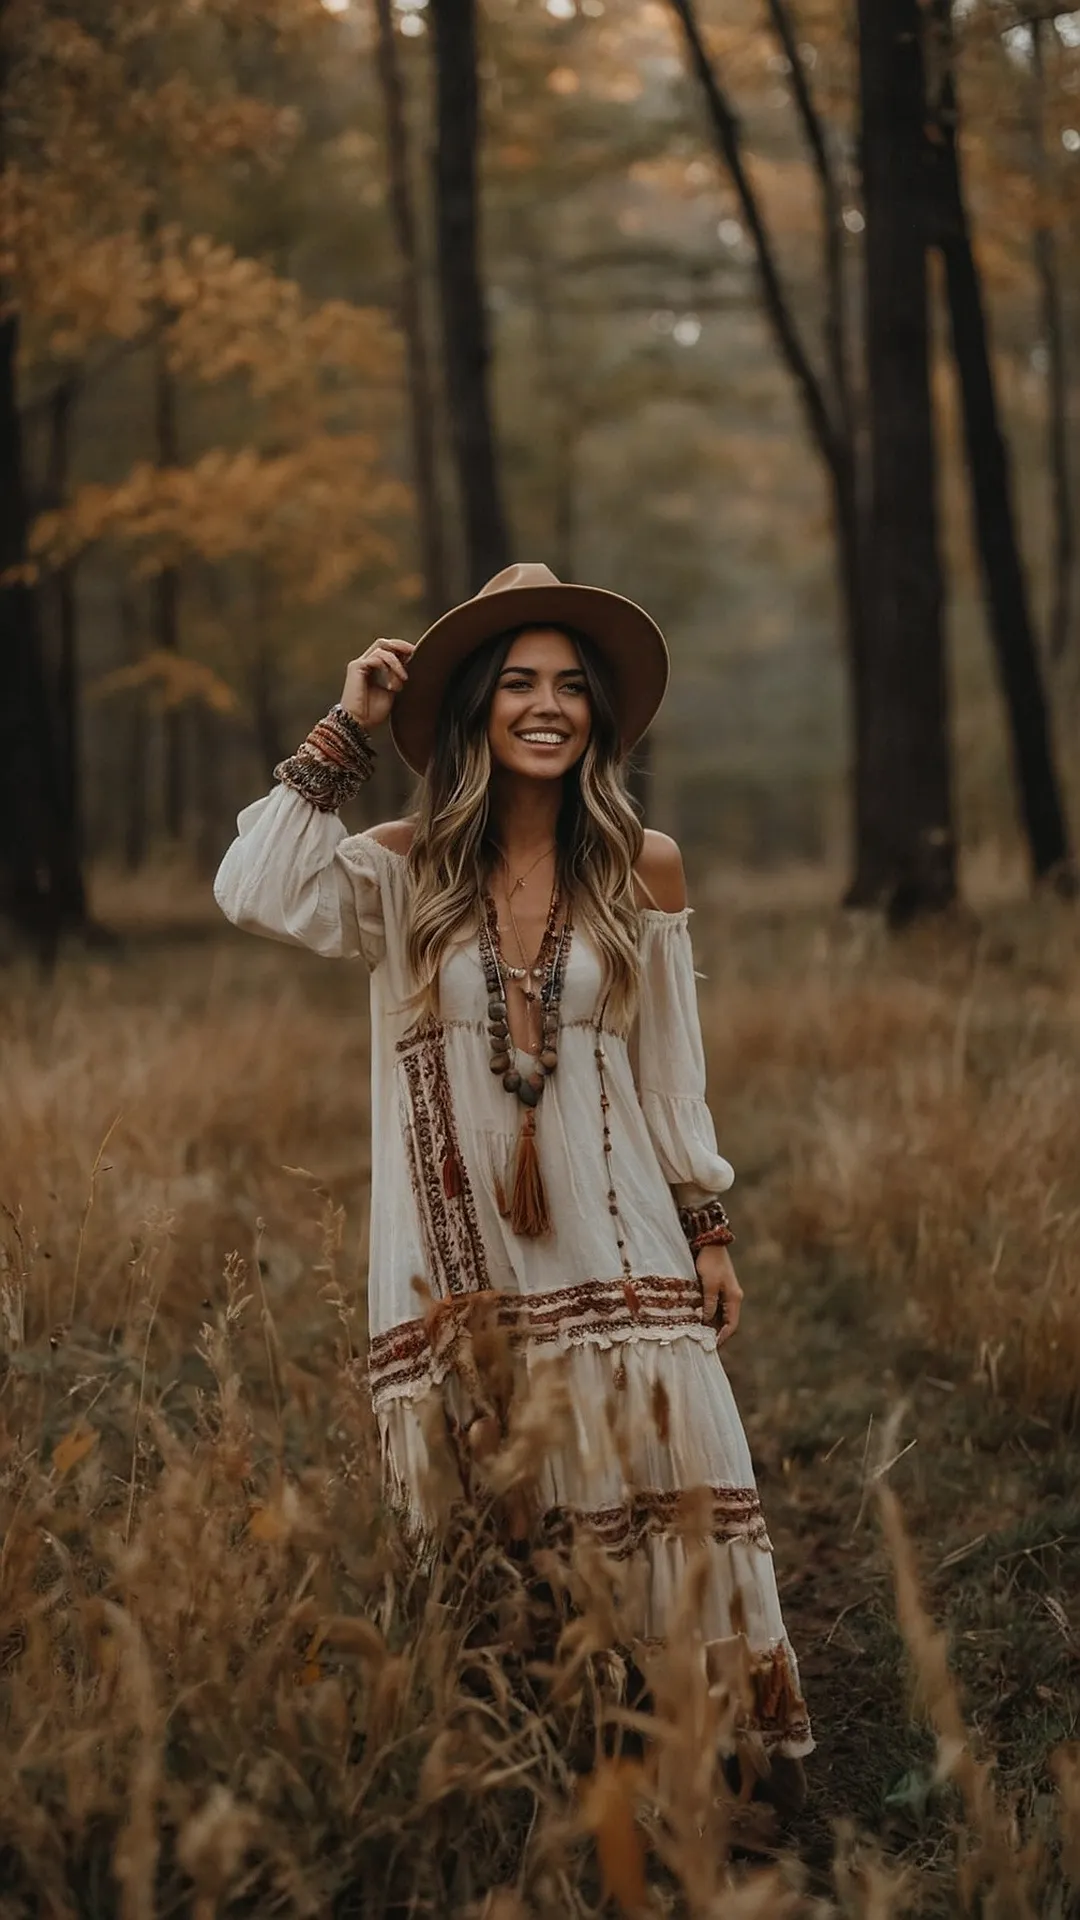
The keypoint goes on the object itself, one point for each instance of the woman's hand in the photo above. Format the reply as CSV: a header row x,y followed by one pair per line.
x,y
720,1290
363,696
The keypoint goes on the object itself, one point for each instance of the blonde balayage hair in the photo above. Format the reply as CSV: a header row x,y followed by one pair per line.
x,y
598,839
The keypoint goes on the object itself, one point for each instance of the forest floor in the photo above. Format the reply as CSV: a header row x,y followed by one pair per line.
x,y
903,1120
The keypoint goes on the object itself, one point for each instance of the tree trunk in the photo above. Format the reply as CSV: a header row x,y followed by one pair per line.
x,y
167,601
70,882
830,415
1063,540
908,858
33,848
410,304
1011,625
135,723
264,709
464,321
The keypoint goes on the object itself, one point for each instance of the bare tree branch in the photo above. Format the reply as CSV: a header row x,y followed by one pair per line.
x,y
728,138
836,342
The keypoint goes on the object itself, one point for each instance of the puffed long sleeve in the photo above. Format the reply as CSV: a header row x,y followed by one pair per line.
x,y
294,874
669,1063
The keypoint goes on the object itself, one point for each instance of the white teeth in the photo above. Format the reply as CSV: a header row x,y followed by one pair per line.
x,y
545,739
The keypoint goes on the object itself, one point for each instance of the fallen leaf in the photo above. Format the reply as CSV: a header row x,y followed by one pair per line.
x,y
73,1447
267,1524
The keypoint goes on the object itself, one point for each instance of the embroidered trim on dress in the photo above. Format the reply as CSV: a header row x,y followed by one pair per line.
x,y
719,1514
457,1263
778,1711
419,1353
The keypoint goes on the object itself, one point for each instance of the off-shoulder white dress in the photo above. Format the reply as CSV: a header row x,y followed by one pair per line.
x,y
653,1413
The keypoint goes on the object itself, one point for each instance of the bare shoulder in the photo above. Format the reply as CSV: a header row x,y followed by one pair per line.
x,y
395,835
660,867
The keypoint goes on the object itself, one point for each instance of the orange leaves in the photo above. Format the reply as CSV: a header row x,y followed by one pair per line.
x,y
607,1812
73,283
318,515
74,1447
173,679
230,315
268,1525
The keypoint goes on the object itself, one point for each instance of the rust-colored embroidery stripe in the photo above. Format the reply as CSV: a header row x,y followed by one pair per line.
x,y
715,1513
593,1309
779,1711
444,1198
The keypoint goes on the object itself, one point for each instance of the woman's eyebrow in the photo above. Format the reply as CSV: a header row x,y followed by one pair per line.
x,y
564,673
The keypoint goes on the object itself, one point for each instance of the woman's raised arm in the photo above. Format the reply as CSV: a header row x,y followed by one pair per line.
x,y
292,872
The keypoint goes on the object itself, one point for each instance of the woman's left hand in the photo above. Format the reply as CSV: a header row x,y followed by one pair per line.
x,y
720,1290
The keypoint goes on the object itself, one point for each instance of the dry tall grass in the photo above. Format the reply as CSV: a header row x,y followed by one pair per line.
x,y
225,1687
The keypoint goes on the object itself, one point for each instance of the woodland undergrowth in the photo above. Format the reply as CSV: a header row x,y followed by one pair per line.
x,y
227,1686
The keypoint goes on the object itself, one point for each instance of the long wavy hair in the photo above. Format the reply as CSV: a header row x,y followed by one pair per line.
x,y
454,849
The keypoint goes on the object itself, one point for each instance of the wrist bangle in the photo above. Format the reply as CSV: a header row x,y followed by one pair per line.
x,y
332,764
706,1226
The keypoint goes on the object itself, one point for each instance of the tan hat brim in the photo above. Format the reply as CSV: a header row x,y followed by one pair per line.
x,y
629,640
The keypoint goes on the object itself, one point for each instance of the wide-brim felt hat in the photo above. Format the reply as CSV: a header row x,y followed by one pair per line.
x,y
529,594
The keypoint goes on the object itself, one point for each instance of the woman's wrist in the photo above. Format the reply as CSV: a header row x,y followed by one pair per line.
x,y
706,1226
332,764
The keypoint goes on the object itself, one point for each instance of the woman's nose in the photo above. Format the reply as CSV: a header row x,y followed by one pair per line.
x,y
547,700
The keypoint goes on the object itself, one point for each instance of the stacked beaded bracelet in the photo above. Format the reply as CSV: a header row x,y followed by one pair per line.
x,y
706,1226
332,764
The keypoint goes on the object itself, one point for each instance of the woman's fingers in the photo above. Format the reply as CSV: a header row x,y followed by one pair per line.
x,y
721,1294
375,678
384,656
731,1309
710,1298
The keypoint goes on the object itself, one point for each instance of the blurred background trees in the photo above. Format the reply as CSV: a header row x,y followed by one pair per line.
x,y
314,314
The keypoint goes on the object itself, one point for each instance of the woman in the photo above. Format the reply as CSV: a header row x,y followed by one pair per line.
x,y
542,1154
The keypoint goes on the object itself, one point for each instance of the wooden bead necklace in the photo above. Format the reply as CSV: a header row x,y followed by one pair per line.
x,y
526,1204
542,981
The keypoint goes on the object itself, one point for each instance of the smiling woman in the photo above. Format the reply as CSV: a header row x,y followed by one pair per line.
x,y
543,1158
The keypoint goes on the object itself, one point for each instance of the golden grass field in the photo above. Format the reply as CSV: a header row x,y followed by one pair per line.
x,y
226,1690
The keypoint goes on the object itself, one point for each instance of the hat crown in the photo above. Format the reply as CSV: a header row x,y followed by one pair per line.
x,y
523,573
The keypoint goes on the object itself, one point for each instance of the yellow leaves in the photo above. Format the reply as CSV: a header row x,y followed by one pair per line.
x,y
173,679
318,515
193,131
607,1812
74,1447
77,285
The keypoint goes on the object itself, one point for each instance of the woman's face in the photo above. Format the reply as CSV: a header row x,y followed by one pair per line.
x,y
540,717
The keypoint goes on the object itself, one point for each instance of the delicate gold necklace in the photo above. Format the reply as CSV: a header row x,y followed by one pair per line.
x,y
520,881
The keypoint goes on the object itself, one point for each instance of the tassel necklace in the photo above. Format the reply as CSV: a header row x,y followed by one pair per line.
x,y
543,981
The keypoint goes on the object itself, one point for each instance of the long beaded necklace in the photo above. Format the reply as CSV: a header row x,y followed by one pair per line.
x,y
527,1207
